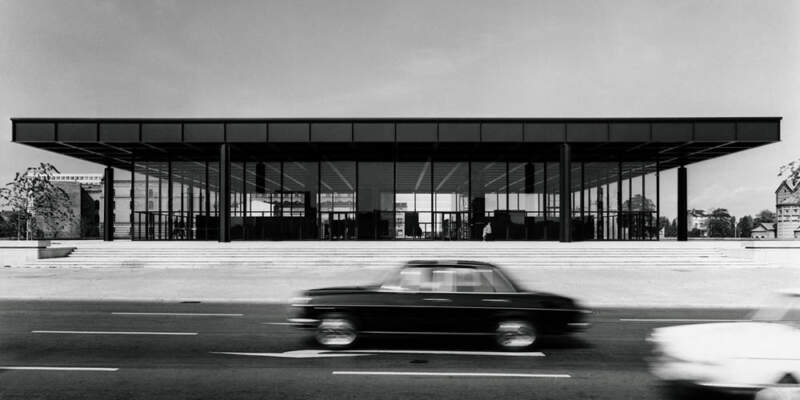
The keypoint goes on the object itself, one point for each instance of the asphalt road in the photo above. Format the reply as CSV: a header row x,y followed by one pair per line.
x,y
169,350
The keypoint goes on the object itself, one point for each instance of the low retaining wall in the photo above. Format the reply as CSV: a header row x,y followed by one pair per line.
x,y
18,252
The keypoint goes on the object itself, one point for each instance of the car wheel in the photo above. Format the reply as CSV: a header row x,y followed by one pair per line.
x,y
515,334
336,332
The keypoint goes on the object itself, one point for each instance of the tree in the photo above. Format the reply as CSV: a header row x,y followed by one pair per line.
x,y
8,224
638,203
745,226
38,204
790,172
663,223
765,217
720,223
672,229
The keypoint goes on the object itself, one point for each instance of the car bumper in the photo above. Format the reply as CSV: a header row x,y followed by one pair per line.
x,y
709,377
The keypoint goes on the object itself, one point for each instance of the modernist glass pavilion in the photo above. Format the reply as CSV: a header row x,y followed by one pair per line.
x,y
391,179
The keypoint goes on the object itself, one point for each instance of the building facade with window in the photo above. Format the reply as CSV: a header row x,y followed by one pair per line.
x,y
393,179
787,209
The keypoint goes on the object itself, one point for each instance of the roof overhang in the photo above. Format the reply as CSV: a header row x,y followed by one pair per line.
x,y
668,141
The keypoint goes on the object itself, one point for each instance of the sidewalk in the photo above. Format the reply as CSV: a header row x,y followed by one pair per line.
x,y
595,287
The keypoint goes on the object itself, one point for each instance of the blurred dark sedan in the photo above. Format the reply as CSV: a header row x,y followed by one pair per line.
x,y
437,297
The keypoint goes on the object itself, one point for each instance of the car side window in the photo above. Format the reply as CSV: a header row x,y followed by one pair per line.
x,y
497,281
469,280
406,280
439,280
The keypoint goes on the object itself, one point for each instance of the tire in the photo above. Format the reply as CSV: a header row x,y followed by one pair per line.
x,y
336,332
514,334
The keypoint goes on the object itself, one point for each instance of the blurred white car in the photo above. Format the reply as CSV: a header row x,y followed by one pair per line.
x,y
760,352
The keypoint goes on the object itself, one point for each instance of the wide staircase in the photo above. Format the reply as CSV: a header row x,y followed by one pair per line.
x,y
381,255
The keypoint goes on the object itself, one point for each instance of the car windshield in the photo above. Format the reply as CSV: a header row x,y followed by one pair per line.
x,y
783,308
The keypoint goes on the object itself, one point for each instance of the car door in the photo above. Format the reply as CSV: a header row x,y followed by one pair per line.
x,y
435,300
460,300
395,305
480,299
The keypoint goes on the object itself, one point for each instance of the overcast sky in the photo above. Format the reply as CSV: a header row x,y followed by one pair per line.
x,y
376,58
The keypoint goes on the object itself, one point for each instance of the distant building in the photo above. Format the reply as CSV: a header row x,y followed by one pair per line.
x,y
85,180
787,205
698,221
764,230
84,191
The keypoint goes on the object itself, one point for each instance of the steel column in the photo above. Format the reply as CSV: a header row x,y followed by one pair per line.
x,y
108,204
683,210
225,193
565,204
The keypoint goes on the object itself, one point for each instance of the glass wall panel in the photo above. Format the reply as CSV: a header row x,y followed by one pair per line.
x,y
600,216
376,200
651,192
451,202
156,219
208,222
124,206
538,229
238,200
140,199
414,201
299,200
524,201
638,212
263,201
552,200
581,226
188,187
489,187
337,200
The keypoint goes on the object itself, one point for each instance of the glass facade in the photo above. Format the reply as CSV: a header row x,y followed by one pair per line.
x,y
395,200
175,201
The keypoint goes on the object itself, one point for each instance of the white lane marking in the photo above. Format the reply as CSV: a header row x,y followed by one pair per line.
x,y
463,374
120,333
178,314
452,352
293,354
59,369
681,320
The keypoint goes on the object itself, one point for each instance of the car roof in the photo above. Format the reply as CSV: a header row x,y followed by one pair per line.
x,y
453,263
